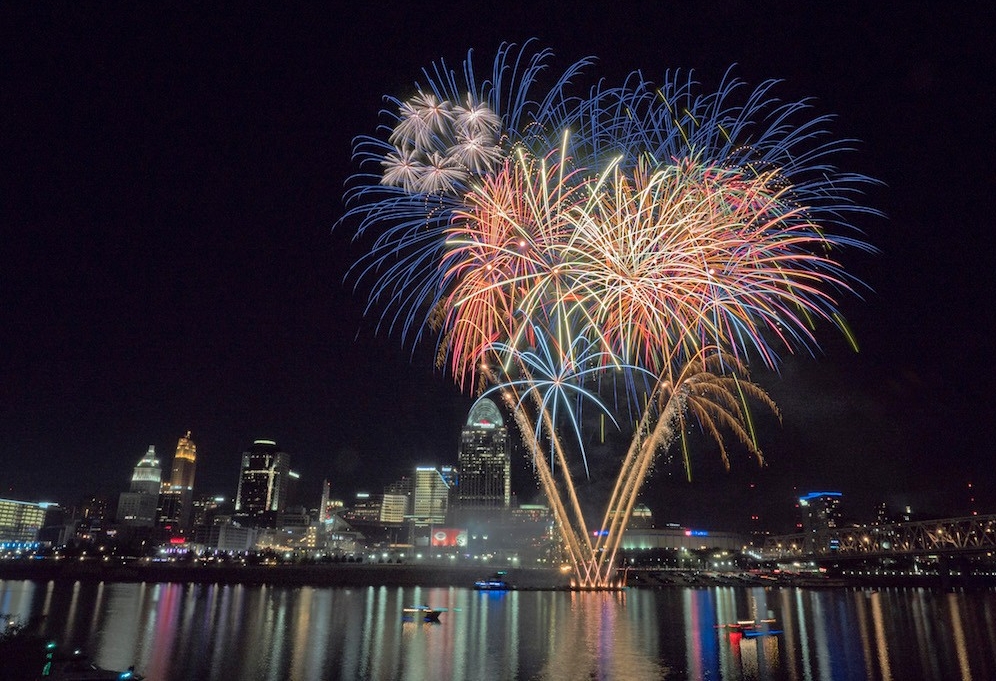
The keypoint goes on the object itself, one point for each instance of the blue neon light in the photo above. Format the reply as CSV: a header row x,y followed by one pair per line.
x,y
817,495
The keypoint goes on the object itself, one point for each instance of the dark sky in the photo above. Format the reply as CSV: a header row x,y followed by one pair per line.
x,y
171,177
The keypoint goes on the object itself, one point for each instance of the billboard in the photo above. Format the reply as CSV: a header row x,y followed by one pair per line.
x,y
449,536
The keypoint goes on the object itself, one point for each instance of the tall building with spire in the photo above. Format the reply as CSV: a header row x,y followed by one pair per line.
x,y
177,497
138,505
485,460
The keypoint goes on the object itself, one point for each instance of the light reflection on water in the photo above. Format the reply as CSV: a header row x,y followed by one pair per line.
x,y
215,632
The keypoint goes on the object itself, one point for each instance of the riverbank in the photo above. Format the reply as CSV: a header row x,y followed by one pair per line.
x,y
333,574
436,575
657,579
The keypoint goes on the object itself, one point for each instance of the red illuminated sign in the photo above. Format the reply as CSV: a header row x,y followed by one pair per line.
x,y
449,536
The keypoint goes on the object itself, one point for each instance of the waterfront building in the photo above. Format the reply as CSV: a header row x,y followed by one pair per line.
x,y
264,484
20,521
485,461
177,495
677,537
225,537
137,507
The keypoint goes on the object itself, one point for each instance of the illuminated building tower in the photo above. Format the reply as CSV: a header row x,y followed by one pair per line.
x,y
176,499
264,481
430,497
820,514
485,462
397,497
138,505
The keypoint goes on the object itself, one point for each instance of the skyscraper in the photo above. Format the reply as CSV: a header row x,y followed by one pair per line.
x,y
138,505
820,514
485,460
263,483
176,500
430,497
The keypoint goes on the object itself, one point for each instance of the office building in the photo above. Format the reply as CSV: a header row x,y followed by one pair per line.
x,y
20,521
264,480
364,511
211,510
430,497
397,498
137,507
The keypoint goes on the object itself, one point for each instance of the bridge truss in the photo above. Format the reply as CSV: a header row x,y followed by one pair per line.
x,y
972,534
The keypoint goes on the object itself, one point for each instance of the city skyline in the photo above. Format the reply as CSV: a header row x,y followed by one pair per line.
x,y
173,266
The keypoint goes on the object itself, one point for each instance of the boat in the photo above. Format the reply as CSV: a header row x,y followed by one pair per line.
x,y
422,613
752,628
495,582
77,666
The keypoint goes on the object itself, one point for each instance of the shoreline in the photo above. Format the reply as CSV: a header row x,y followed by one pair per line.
x,y
336,574
433,575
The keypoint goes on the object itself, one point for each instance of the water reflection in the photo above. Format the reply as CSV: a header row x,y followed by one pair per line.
x,y
179,631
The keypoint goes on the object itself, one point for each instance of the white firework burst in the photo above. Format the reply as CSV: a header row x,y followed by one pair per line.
x,y
411,126
403,169
442,175
424,124
476,119
478,153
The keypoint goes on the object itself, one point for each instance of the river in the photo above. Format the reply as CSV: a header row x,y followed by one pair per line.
x,y
209,632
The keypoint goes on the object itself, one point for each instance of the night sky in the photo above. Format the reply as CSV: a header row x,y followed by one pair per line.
x,y
171,178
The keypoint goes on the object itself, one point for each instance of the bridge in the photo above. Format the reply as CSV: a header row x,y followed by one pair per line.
x,y
947,536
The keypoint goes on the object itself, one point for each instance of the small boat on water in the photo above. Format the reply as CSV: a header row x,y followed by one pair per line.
x,y
422,613
752,628
77,666
495,582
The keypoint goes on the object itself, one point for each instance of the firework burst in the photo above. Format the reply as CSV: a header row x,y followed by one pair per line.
x,y
656,237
